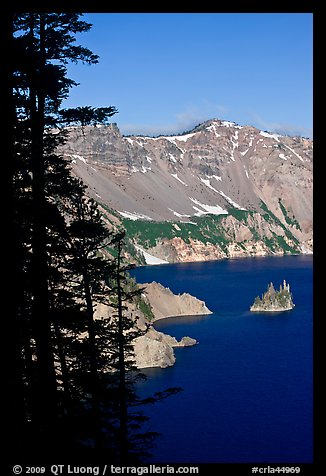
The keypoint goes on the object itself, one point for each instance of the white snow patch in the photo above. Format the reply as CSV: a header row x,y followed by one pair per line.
x,y
145,169
176,177
172,140
79,157
212,128
150,259
231,201
306,250
230,124
235,144
134,216
217,177
282,156
139,143
93,169
212,209
247,173
183,138
99,196
199,212
179,215
172,158
270,136
130,140
149,159
134,169
295,153
244,153
208,184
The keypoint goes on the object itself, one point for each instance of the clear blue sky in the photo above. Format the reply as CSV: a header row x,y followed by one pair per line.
x,y
167,72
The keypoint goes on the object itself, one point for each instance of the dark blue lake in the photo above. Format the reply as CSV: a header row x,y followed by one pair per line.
x,y
247,386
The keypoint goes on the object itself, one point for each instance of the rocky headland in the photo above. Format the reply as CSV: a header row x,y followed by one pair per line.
x,y
154,348
274,301
166,304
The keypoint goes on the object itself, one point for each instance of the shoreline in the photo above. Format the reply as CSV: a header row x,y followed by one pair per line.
x,y
180,315
285,255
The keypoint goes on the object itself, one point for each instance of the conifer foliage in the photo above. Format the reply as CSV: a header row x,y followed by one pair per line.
x,y
72,376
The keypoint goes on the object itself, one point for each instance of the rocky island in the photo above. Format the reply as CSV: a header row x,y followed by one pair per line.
x,y
274,301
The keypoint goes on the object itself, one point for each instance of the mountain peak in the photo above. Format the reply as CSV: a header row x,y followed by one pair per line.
x,y
219,168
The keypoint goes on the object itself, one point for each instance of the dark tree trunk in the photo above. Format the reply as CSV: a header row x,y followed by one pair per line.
x,y
46,404
67,400
122,368
94,376
16,404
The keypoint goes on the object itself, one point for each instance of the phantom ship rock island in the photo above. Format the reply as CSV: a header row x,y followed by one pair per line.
x,y
274,301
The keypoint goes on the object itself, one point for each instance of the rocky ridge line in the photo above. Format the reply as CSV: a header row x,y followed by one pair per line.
x,y
220,190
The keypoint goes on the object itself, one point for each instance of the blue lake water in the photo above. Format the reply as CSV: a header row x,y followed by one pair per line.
x,y
247,386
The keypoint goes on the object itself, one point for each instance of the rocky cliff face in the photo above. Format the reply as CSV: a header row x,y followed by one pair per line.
x,y
166,304
220,190
154,348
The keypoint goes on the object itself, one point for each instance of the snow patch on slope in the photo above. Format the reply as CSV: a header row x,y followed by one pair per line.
x,y
134,216
145,169
235,144
282,156
179,215
269,136
172,158
207,209
212,128
183,138
208,184
230,124
76,156
217,177
295,153
150,259
176,177
232,202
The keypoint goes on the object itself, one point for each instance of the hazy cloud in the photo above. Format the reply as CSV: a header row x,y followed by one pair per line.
x,y
281,128
194,115
184,121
